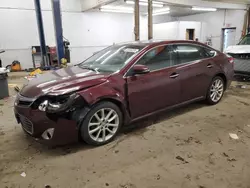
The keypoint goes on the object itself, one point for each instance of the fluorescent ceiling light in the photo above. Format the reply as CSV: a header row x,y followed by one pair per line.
x,y
204,9
161,13
118,9
144,3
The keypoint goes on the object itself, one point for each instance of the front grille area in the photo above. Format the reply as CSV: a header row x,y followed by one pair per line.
x,y
241,56
242,65
26,124
241,62
24,103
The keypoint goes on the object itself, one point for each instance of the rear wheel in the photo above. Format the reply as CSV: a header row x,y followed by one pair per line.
x,y
102,124
216,90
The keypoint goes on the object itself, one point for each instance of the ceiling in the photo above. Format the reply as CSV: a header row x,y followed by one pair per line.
x,y
232,1
219,4
175,10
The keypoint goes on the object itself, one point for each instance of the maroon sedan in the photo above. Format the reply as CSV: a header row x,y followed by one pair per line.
x,y
118,85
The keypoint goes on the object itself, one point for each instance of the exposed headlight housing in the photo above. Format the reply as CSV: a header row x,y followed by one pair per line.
x,y
57,104
43,106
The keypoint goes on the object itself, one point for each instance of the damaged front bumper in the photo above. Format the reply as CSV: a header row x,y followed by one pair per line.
x,y
58,128
37,124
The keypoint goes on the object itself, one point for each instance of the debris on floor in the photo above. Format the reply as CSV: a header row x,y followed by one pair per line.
x,y
241,86
228,158
29,77
4,70
181,159
17,89
211,159
36,72
233,136
23,174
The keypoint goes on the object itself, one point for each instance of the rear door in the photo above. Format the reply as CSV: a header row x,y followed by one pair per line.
x,y
157,89
195,70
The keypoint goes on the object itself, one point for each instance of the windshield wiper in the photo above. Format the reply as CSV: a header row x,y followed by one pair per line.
x,y
88,68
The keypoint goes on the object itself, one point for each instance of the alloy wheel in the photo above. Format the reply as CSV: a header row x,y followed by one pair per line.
x,y
103,125
216,91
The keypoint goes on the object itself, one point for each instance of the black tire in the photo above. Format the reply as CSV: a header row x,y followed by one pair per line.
x,y
84,130
208,98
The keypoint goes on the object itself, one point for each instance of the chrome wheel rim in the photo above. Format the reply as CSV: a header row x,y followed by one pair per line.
x,y
216,90
103,125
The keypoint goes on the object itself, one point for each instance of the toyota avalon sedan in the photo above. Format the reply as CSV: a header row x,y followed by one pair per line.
x,y
118,85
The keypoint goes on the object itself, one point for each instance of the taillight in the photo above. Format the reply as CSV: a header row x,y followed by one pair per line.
x,y
230,59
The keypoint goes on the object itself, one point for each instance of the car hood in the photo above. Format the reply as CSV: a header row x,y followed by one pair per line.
x,y
238,49
62,81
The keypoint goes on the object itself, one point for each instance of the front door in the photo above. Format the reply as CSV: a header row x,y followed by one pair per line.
x,y
157,89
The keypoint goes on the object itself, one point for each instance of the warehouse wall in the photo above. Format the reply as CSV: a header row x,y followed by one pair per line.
x,y
215,21
87,32
177,30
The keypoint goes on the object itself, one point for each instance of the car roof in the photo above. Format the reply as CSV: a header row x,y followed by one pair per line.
x,y
159,42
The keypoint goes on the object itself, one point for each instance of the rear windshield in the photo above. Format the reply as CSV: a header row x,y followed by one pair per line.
x,y
245,40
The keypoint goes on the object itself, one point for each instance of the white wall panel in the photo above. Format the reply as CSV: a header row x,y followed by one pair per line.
x,y
166,31
106,28
87,32
183,26
215,21
176,30
143,28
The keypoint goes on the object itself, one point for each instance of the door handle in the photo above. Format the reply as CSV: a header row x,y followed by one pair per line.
x,y
209,66
174,75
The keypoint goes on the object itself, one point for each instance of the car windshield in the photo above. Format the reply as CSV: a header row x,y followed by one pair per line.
x,y
111,59
245,40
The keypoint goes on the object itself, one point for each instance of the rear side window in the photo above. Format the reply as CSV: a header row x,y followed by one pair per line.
x,y
209,53
188,53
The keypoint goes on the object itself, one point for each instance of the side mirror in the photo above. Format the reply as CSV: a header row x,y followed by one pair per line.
x,y
140,69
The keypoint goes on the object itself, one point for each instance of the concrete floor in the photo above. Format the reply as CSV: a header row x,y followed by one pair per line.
x,y
188,147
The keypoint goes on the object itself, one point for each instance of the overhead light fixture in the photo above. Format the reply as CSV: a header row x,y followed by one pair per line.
x,y
144,3
204,9
116,9
161,11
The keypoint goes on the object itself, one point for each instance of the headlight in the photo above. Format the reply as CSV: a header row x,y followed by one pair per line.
x,y
57,104
43,106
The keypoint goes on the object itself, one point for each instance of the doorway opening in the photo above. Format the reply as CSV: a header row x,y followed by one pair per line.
x,y
190,34
228,37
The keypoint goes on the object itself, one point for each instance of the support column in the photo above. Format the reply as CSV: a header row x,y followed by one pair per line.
x,y
41,33
248,29
56,10
137,20
150,19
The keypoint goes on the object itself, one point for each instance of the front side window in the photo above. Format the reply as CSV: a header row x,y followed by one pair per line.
x,y
188,53
111,59
157,58
245,40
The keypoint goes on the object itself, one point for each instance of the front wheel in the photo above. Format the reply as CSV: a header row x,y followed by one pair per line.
x,y
216,90
102,124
